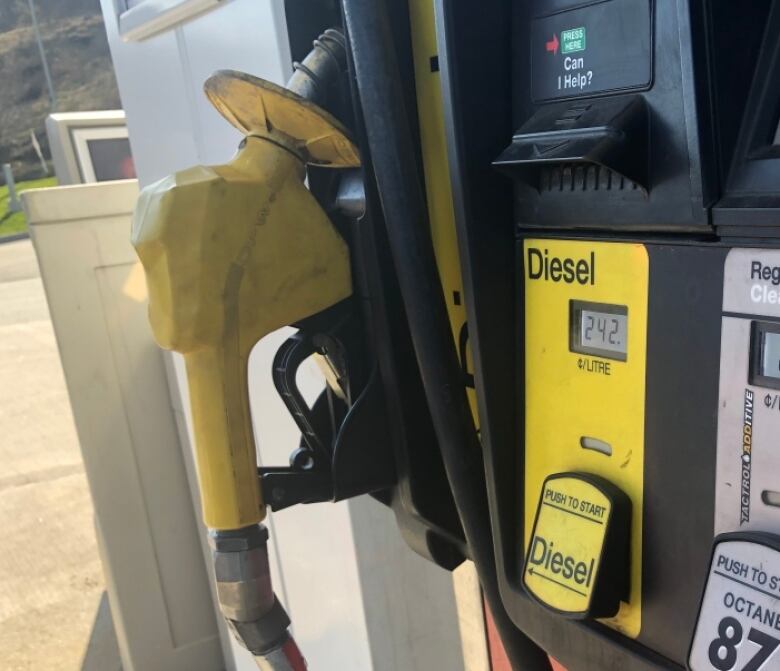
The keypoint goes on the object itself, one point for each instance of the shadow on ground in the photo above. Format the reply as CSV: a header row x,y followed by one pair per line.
x,y
102,653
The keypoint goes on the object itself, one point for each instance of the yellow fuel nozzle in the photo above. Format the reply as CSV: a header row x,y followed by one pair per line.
x,y
233,252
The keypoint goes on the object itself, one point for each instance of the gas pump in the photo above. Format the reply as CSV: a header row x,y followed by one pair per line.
x,y
547,304
643,334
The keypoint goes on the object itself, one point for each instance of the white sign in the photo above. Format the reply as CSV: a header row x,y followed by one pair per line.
x,y
752,282
739,620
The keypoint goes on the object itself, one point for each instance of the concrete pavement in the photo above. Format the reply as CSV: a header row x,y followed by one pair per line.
x,y
53,613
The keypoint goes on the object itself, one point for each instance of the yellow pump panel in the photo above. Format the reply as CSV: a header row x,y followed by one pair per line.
x,y
232,253
584,412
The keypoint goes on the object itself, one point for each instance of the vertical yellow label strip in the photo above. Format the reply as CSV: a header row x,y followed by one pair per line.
x,y
438,190
576,401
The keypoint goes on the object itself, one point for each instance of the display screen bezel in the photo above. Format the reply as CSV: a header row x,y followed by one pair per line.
x,y
576,308
758,332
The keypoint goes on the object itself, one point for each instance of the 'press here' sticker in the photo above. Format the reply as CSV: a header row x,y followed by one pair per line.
x,y
739,620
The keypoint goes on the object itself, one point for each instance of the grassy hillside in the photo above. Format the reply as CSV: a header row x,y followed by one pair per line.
x,y
15,222
16,12
77,51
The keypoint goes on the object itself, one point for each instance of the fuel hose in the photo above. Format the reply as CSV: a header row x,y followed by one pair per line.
x,y
405,211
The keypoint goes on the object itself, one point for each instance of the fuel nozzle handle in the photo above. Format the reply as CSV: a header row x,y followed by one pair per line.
x,y
232,253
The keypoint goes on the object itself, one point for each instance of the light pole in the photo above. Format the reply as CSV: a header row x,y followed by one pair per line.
x,y
46,73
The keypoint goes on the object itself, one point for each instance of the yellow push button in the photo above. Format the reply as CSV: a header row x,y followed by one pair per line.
x,y
577,563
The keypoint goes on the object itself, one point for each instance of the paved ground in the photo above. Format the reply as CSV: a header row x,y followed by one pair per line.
x,y
53,612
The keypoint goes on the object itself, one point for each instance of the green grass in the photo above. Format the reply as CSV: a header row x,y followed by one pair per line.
x,y
14,222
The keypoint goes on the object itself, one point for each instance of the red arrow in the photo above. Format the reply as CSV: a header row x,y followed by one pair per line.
x,y
552,45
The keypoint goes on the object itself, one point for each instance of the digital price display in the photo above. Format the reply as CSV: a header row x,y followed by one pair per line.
x,y
599,329
765,354
770,356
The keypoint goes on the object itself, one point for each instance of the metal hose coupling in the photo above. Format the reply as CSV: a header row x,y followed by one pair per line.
x,y
247,599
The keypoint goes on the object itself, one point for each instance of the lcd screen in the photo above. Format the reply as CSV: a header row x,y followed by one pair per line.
x,y
599,329
770,355
765,355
